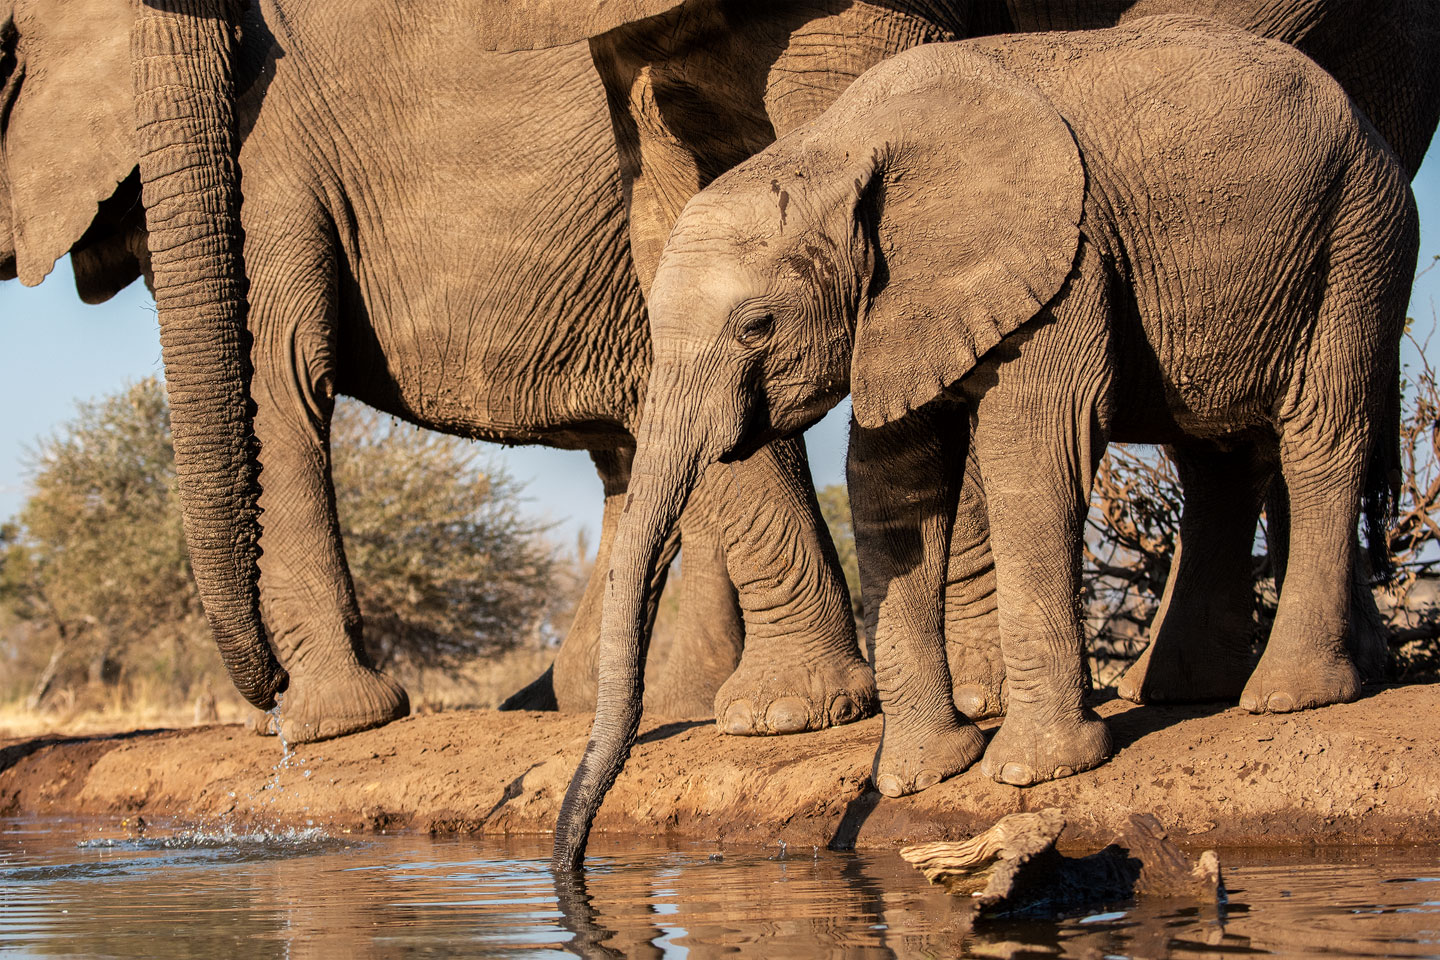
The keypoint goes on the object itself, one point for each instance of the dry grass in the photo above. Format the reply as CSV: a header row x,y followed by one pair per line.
x,y
483,683
120,715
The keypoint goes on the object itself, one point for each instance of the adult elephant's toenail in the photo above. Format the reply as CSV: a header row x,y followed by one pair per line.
x,y
890,785
927,779
1064,772
787,715
1017,774
1280,703
1251,703
739,719
843,710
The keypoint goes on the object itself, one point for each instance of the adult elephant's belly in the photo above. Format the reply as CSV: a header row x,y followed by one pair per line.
x,y
506,375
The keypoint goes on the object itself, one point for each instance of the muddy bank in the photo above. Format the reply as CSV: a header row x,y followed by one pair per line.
x,y
1365,772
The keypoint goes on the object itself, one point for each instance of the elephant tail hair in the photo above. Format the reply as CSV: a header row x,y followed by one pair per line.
x,y
1381,497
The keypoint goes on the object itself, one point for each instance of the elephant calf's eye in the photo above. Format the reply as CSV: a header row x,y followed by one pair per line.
x,y
753,331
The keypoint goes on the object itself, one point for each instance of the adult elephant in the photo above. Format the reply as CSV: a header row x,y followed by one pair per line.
x,y
695,86
435,231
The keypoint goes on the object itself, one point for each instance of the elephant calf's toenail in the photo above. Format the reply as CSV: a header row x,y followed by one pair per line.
x,y
1280,703
1064,772
787,715
970,700
889,785
843,710
1017,774
927,780
739,720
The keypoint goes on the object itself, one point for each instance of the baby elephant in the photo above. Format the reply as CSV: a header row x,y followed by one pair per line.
x,y
1166,232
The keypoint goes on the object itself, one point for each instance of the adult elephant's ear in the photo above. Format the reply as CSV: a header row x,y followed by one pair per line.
x,y
975,201
68,128
536,24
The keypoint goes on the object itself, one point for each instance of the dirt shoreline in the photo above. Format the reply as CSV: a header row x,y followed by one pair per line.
x,y
1355,773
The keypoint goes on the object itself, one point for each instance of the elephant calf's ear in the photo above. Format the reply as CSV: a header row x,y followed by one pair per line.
x,y
978,225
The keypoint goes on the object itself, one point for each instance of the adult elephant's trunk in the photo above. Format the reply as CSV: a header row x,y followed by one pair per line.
x,y
665,472
185,123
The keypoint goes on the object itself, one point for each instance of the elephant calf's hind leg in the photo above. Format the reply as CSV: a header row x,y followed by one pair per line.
x,y
1200,642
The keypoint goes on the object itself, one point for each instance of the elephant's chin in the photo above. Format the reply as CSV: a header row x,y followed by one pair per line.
x,y
752,441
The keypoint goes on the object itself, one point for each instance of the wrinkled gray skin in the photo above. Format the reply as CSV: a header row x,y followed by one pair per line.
x,y
985,222
697,86
437,232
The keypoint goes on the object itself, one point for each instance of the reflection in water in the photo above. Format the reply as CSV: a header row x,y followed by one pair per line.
x,y
308,895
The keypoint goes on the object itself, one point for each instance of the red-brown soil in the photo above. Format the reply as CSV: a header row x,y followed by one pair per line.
x,y
1365,772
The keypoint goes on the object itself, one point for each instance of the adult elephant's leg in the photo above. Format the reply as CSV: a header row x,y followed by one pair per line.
x,y
972,629
1201,637
709,633
307,595
569,683
901,505
801,668
575,669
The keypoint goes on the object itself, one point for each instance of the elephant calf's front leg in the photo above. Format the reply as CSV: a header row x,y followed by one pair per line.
x,y
1040,426
901,506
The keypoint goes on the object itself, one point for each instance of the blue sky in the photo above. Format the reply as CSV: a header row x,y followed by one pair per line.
x,y
57,351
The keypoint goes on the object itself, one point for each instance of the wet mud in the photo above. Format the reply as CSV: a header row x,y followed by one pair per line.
x,y
1364,772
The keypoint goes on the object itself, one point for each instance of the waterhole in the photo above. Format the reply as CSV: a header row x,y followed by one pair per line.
x,y
78,889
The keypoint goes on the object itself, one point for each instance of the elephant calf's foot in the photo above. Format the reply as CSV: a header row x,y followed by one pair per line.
x,y
334,703
1303,685
977,672
1184,673
772,697
909,762
980,699
1026,750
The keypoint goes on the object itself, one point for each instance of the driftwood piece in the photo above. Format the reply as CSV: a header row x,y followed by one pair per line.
x,y
1013,869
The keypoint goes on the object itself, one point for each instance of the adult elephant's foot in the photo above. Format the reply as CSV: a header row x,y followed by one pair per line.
x,y
684,689
1027,750
1283,685
914,758
1185,671
323,705
773,695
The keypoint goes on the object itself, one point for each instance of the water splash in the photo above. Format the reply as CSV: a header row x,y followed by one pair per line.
x,y
221,836
288,759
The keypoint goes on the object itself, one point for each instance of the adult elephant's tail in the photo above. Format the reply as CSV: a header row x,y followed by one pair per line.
x,y
185,121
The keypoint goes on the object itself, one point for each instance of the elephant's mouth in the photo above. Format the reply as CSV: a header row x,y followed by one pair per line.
x,y
756,436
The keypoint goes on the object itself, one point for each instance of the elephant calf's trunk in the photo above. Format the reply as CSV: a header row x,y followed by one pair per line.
x,y
658,493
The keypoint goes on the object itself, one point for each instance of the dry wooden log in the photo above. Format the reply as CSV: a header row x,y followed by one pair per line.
x,y
1013,869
